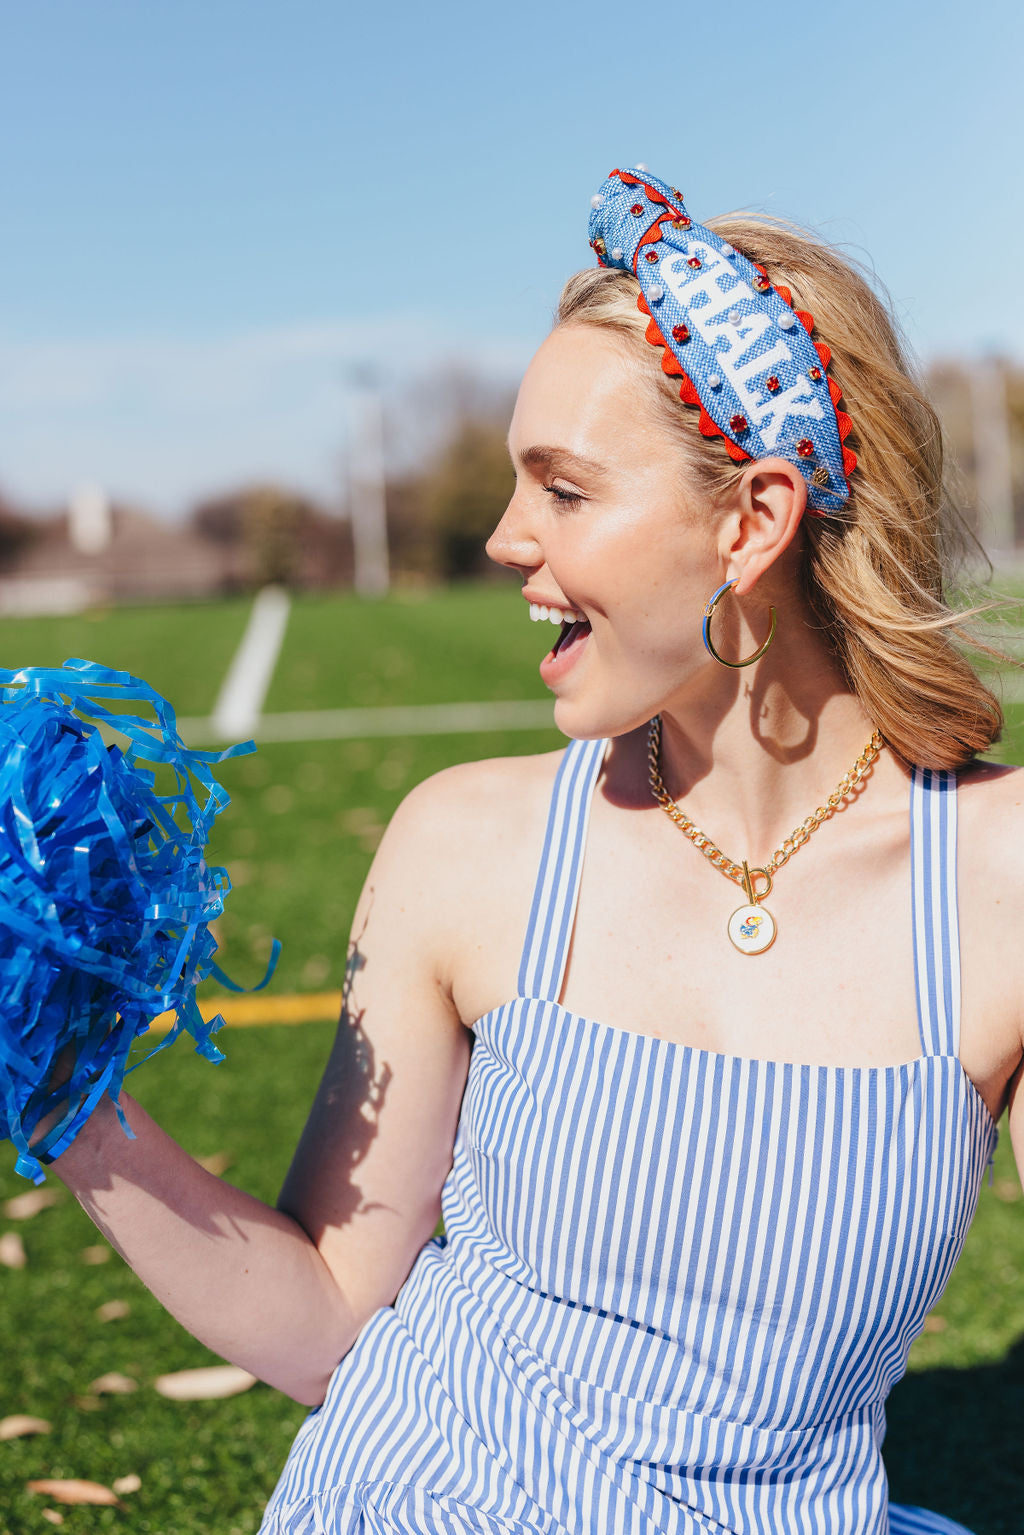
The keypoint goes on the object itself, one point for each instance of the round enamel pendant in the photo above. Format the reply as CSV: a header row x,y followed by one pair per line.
x,y
752,929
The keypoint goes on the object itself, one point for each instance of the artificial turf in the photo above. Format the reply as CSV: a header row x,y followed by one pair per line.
x,y
297,841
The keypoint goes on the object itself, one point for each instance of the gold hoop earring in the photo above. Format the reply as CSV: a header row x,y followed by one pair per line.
x,y
706,630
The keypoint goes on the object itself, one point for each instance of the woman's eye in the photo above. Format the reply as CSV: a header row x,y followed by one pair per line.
x,y
567,498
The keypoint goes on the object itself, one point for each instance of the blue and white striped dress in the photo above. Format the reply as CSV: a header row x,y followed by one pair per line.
x,y
675,1286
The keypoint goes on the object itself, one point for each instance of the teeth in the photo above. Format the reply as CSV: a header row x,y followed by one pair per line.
x,y
539,613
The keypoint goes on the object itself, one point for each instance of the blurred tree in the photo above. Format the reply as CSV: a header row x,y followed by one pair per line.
x,y
1015,406
410,536
277,536
16,531
950,386
465,492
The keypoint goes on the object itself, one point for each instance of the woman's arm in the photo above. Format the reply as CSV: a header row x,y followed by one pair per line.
x,y
244,1278
1016,1119
285,1292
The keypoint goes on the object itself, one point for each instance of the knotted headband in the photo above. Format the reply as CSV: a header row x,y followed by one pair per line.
x,y
740,350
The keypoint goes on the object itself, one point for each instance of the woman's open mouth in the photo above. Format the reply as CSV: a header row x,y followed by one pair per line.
x,y
569,643
570,634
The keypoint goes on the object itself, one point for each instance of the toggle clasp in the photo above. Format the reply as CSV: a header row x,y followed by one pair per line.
x,y
749,876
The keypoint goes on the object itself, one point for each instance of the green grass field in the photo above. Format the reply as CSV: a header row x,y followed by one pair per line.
x,y
297,841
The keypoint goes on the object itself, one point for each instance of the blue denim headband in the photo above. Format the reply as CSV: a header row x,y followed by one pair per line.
x,y
740,350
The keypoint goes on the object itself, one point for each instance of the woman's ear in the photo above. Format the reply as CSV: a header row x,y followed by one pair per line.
x,y
763,516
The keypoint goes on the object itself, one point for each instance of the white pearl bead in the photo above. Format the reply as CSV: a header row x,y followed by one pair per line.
x,y
714,382
597,200
734,317
727,250
656,294
640,166
617,253
787,321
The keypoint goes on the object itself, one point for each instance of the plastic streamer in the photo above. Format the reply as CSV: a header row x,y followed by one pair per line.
x,y
105,894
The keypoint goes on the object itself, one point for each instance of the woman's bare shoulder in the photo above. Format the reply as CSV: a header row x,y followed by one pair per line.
x,y
453,873
475,810
479,782
991,799
990,843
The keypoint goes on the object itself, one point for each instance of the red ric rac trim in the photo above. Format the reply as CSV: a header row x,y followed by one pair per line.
x,y
843,421
786,295
654,195
687,393
650,237
652,234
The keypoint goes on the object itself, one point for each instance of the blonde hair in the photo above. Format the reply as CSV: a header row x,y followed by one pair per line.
x,y
876,578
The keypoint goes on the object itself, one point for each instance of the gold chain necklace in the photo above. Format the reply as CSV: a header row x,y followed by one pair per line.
x,y
752,927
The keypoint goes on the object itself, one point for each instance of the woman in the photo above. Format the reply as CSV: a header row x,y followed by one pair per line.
x,y
710,1161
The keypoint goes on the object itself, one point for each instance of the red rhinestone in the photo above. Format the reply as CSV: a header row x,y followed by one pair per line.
x,y
680,333
761,283
651,255
637,209
738,423
677,194
772,384
805,448
814,373
599,246
694,261
682,222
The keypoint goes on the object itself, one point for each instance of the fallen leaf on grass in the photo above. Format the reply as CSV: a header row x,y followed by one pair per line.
x,y
87,1403
52,1516
20,1423
99,1253
217,1163
113,1310
204,1385
130,1483
12,1250
73,1491
22,1206
113,1384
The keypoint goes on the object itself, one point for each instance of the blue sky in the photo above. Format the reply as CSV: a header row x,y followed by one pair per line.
x,y
215,208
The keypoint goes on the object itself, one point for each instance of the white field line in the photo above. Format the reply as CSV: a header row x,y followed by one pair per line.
x,y
403,720
419,720
237,710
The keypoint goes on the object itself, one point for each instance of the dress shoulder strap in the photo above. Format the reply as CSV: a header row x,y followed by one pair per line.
x,y
549,930
936,924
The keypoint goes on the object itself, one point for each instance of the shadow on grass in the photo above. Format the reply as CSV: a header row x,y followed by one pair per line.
x,y
954,1443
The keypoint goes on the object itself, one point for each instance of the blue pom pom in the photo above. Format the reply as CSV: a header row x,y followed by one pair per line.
x,y
105,894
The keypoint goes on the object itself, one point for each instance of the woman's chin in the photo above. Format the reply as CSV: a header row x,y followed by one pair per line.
x,y
591,719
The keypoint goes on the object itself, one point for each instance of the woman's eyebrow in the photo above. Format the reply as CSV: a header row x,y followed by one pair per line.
x,y
543,457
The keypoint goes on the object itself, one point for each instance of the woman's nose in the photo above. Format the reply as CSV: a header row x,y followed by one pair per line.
x,y
512,543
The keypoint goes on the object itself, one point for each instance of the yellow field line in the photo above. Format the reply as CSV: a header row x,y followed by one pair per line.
x,y
249,1012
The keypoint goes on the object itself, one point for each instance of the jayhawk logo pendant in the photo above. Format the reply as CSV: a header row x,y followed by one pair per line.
x,y
752,927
